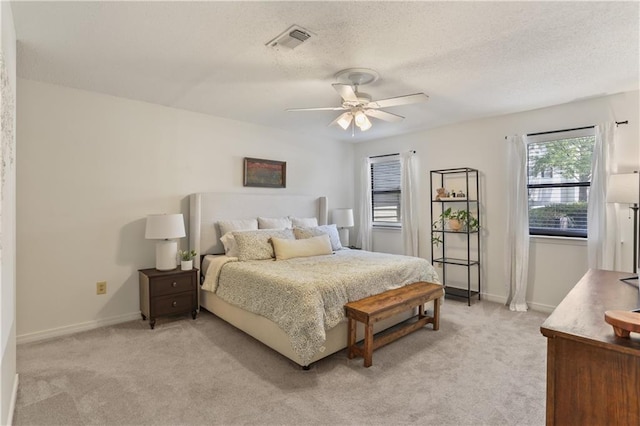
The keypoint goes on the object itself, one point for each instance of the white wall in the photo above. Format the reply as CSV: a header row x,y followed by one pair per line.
x,y
555,265
8,388
91,167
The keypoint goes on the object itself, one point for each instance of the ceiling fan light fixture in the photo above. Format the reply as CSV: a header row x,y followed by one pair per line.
x,y
344,120
362,121
360,118
365,126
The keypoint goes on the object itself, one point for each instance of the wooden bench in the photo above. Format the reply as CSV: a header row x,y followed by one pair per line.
x,y
384,305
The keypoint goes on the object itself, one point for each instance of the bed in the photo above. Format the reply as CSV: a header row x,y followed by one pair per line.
x,y
261,315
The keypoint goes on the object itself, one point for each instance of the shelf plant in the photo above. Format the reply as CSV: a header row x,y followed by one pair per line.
x,y
455,220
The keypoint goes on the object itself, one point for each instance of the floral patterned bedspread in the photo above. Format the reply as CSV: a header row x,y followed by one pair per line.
x,y
306,296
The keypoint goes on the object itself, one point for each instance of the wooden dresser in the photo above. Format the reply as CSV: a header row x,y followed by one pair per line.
x,y
593,377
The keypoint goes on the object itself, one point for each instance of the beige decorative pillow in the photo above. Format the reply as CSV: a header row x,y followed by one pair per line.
x,y
314,246
330,230
256,245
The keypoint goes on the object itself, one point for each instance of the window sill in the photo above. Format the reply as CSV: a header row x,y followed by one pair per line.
x,y
387,228
549,239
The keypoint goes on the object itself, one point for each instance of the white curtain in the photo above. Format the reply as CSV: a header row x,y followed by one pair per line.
x,y
409,202
517,246
602,247
364,240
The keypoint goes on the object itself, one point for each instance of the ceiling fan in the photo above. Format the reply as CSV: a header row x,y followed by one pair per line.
x,y
359,106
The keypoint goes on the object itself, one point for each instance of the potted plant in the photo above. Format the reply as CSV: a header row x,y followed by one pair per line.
x,y
455,220
186,259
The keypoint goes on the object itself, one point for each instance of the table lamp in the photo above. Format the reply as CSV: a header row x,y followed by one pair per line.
x,y
165,227
624,188
343,218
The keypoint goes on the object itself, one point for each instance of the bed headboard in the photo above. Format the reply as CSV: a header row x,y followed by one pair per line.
x,y
207,208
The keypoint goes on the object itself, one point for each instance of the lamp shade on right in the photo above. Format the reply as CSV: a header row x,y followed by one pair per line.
x,y
623,188
343,218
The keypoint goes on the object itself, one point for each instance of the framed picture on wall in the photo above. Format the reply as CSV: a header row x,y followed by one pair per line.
x,y
264,173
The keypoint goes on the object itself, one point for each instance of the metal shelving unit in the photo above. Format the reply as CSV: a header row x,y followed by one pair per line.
x,y
439,253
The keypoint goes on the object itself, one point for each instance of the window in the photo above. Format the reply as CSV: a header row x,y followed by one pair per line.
x,y
559,177
385,190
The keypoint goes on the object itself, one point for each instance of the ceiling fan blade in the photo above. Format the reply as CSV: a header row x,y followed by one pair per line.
x,y
383,115
346,92
318,109
400,100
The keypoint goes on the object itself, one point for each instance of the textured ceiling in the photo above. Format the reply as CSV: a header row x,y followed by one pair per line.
x,y
473,59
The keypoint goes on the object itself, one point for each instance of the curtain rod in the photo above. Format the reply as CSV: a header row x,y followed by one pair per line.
x,y
390,155
570,130
560,131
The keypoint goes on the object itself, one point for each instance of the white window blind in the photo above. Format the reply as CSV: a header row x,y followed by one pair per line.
x,y
385,190
559,177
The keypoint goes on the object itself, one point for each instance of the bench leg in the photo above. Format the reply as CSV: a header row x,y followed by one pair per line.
x,y
351,337
368,344
436,313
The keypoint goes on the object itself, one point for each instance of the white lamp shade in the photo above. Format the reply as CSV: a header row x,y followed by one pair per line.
x,y
164,226
623,188
343,218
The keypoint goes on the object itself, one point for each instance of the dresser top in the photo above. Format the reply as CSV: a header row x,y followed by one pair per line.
x,y
580,316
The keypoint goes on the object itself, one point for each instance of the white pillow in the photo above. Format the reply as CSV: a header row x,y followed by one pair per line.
x,y
315,246
330,230
229,243
227,226
256,245
304,222
274,223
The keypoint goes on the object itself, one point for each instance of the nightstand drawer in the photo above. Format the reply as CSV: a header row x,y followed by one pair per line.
x,y
176,304
172,285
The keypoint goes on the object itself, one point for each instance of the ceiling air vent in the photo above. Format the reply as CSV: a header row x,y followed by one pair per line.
x,y
293,37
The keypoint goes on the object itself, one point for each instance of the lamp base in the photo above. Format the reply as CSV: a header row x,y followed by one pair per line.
x,y
344,236
166,255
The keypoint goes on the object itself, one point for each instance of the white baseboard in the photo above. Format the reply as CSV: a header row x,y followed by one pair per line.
x,y
75,328
14,398
538,307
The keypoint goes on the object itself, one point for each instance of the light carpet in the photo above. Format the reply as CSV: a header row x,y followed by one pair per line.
x,y
485,366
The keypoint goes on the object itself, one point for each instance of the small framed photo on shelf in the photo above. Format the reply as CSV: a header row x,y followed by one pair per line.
x,y
264,173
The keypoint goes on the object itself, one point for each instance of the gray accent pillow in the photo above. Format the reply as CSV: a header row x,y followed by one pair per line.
x,y
330,230
256,245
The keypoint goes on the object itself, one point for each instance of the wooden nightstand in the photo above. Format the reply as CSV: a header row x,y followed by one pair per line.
x,y
168,293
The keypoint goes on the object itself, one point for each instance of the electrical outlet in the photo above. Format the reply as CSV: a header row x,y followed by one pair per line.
x,y
101,287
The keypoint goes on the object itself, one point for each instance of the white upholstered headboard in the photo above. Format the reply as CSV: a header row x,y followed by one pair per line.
x,y
207,208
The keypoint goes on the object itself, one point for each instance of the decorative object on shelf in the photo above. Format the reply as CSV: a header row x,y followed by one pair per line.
x,y
186,259
343,218
165,227
441,193
265,173
456,220
624,188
